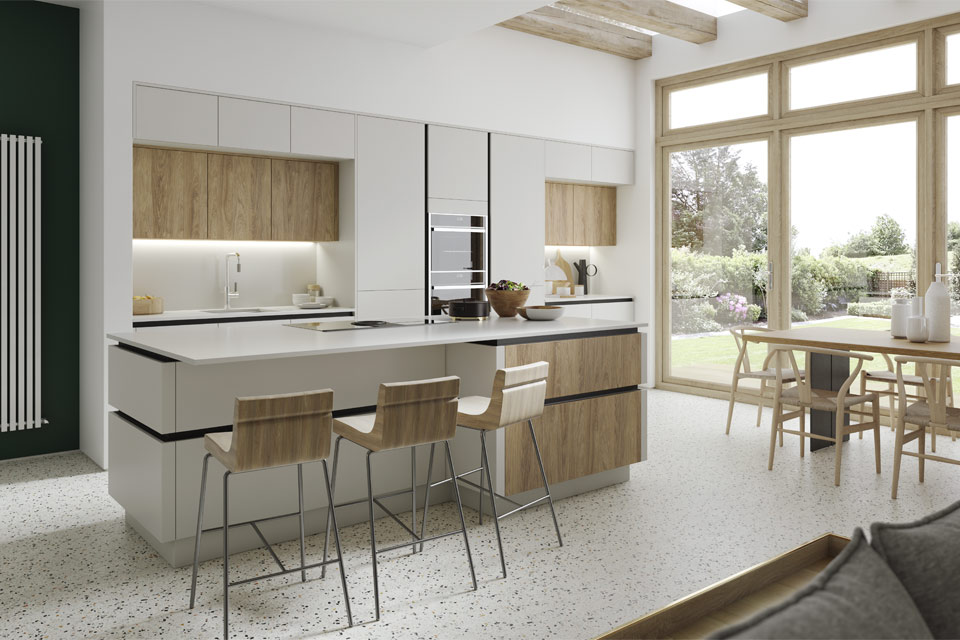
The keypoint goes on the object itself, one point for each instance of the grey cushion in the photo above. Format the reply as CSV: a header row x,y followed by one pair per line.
x,y
856,596
925,555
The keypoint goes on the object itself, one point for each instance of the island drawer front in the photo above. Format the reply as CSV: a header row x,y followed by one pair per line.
x,y
583,365
577,439
141,476
143,388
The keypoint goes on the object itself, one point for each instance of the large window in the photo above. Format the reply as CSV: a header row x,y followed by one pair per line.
x,y
782,204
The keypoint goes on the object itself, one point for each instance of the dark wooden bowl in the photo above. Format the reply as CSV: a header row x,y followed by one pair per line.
x,y
506,303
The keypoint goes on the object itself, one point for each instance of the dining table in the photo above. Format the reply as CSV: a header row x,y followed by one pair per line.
x,y
829,372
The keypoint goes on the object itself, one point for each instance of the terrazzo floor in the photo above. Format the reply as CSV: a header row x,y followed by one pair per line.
x,y
701,508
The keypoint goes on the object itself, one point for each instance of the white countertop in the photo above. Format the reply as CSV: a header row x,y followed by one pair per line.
x,y
206,344
176,316
590,297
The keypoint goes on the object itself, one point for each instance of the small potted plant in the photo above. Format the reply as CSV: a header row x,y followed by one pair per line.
x,y
507,296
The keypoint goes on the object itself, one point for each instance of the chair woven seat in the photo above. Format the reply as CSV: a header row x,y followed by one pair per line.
x,y
824,400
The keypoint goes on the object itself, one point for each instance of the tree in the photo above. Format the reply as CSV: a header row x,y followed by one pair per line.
x,y
718,204
887,237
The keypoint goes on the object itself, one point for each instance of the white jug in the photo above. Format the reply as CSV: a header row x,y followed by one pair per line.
x,y
937,303
899,312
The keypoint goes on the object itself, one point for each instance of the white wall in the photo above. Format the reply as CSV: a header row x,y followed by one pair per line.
x,y
188,274
496,79
629,267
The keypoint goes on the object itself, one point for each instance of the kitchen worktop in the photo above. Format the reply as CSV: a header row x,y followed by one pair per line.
x,y
195,316
589,298
206,344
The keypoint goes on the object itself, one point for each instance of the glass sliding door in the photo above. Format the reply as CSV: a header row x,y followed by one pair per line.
x,y
718,256
853,224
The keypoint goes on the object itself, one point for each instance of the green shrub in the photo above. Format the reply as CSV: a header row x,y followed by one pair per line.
x,y
797,316
753,312
875,309
694,316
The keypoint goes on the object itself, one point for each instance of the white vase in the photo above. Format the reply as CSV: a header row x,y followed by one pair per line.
x,y
917,329
899,313
937,303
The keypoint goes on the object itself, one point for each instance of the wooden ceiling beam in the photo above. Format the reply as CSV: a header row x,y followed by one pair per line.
x,y
629,44
662,16
592,20
785,10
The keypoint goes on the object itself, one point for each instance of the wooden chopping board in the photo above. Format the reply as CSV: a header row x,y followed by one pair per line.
x,y
563,264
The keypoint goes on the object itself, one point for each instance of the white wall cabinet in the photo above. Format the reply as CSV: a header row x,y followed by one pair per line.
x,y
170,115
516,209
316,132
390,206
612,166
390,305
254,125
457,163
568,161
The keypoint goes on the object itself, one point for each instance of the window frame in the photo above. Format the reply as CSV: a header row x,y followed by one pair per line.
x,y
669,90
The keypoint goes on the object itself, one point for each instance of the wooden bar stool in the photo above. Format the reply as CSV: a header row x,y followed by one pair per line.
x,y
408,414
270,431
518,396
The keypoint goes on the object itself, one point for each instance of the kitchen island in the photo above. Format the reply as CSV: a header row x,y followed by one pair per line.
x,y
170,386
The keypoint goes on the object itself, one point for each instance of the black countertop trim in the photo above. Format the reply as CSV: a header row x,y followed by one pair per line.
x,y
145,353
553,338
590,394
571,302
256,318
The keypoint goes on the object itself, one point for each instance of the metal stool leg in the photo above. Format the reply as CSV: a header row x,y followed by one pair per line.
x,y
196,543
485,463
303,557
482,463
413,495
426,497
373,538
543,474
336,541
463,524
333,488
226,557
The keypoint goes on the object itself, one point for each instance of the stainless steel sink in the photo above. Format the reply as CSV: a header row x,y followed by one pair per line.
x,y
235,310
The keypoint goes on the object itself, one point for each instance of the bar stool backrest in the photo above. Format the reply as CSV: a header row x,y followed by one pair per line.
x,y
419,412
272,431
518,394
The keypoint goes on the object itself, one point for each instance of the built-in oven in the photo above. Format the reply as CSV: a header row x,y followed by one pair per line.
x,y
458,251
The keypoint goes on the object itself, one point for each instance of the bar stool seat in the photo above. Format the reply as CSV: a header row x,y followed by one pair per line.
x,y
408,414
471,413
268,432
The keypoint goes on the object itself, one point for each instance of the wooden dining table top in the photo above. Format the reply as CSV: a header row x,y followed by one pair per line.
x,y
865,340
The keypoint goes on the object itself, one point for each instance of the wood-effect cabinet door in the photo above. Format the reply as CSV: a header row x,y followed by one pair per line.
x,y
169,194
606,202
304,201
559,214
586,216
239,197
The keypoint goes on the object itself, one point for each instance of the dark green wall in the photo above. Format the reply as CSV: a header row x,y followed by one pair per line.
x,y
39,64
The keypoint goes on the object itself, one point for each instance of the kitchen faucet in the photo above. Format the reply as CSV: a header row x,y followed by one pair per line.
x,y
227,294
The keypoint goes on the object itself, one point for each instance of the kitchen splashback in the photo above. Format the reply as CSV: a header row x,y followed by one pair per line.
x,y
188,274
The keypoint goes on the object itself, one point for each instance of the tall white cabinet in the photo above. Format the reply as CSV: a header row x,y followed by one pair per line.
x,y
457,164
517,211
390,218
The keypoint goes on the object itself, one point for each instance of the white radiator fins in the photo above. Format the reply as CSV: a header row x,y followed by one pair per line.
x,y
20,298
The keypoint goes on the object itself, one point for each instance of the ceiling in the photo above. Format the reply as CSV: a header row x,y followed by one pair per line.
x,y
425,23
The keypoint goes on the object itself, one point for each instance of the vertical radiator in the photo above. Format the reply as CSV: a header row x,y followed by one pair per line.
x,y
19,283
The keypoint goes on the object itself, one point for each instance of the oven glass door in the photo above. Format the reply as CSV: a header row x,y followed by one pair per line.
x,y
457,249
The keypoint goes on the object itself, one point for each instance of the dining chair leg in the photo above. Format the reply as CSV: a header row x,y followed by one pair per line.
x,y
426,497
897,457
839,446
303,555
733,397
763,389
493,498
922,450
336,541
373,539
413,496
933,439
892,408
226,556
863,392
196,542
543,475
333,491
876,432
774,429
803,429
463,523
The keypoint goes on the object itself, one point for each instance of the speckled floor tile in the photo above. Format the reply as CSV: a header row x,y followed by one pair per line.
x,y
702,508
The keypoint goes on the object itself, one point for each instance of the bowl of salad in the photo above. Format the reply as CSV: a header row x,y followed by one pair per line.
x,y
507,296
